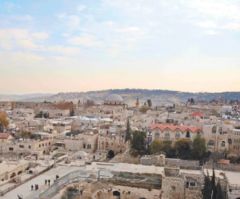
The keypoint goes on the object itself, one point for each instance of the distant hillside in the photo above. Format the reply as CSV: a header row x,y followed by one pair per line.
x,y
24,97
128,95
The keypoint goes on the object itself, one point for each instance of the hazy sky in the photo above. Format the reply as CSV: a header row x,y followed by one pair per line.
x,y
79,45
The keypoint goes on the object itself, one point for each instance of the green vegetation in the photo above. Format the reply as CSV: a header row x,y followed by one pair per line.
x,y
25,134
149,103
128,135
199,147
158,147
72,112
144,109
138,145
183,148
41,114
71,193
211,189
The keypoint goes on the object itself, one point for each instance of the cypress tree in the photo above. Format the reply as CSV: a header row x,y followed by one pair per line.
x,y
213,186
128,131
219,194
207,190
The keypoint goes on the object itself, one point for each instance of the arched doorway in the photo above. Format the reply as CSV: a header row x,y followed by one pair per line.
x,y
110,154
20,172
12,175
116,194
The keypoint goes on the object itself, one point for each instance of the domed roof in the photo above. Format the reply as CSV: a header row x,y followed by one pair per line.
x,y
114,98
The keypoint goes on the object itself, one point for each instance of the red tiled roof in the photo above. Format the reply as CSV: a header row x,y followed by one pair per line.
x,y
4,136
172,127
223,161
197,114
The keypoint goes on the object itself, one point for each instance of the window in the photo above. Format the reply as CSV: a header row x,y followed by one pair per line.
x,y
157,135
220,130
214,129
167,136
21,146
211,143
192,184
223,144
178,135
11,149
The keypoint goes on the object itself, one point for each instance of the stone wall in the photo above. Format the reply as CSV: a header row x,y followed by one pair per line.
x,y
172,188
183,164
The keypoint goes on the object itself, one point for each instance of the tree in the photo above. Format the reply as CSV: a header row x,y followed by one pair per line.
x,y
42,114
144,109
183,148
25,134
72,112
156,147
128,135
220,194
138,142
3,121
149,103
199,148
211,190
206,192
163,146
168,149
213,186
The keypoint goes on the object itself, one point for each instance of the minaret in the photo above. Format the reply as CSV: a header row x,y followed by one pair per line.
x,y
137,102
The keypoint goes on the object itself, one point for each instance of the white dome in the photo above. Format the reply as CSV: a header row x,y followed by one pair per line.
x,y
114,98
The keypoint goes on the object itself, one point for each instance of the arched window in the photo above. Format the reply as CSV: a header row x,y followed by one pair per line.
x,y
214,129
157,135
220,130
178,135
167,136
211,143
223,144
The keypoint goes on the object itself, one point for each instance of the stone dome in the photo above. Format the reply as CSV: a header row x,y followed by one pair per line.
x,y
114,99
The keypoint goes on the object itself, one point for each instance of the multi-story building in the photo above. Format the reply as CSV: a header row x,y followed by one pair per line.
x,y
170,132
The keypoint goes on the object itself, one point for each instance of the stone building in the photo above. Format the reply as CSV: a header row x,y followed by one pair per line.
x,y
170,132
176,185
11,170
114,99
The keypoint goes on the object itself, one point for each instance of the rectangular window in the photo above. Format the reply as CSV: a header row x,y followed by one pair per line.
x,y
10,148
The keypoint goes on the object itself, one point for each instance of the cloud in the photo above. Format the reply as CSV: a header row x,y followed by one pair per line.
x,y
232,26
10,6
217,15
131,29
216,9
59,49
18,59
13,38
207,24
85,40
71,21
211,32
40,35
81,8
